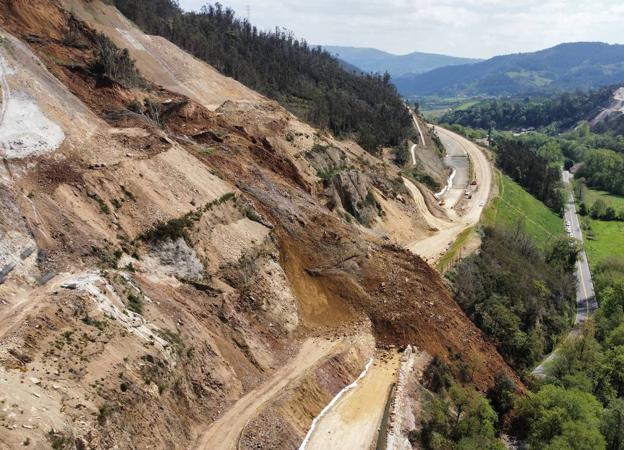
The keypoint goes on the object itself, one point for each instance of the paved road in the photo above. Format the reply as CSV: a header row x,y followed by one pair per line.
x,y
433,247
586,303
458,161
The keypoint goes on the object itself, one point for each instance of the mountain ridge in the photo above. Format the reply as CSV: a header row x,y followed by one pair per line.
x,y
374,60
567,66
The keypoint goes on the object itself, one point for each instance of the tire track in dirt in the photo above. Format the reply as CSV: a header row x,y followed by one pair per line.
x,y
224,433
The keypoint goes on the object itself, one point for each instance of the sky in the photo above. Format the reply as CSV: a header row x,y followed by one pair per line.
x,y
470,28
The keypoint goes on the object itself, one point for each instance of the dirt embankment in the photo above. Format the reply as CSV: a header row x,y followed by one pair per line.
x,y
184,257
425,155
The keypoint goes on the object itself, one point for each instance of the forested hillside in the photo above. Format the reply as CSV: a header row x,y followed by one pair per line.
x,y
580,65
308,81
521,296
560,111
534,161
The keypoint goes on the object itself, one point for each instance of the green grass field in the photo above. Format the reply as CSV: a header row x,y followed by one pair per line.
x,y
608,239
615,201
515,205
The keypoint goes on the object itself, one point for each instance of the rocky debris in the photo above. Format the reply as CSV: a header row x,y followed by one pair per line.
x,y
45,278
120,394
270,289
179,259
6,270
399,407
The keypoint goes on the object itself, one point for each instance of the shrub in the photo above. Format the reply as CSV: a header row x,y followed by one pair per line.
x,y
59,441
437,376
135,304
114,64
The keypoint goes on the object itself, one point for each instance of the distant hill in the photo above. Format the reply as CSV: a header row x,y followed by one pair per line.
x,y
564,67
373,60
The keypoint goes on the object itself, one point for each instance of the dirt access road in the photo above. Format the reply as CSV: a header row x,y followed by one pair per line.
x,y
354,421
421,137
433,247
225,432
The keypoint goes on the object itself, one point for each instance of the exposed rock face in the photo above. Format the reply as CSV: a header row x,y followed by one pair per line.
x,y
353,192
179,259
347,189
270,289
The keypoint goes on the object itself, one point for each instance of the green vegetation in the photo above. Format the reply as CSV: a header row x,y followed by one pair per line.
x,y
60,441
470,133
514,205
603,169
582,404
445,261
135,304
459,418
557,112
523,298
559,418
177,228
606,239
417,173
534,161
114,64
614,201
308,81
603,222
565,67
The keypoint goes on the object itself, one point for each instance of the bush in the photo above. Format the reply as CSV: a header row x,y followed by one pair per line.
x,y
114,64
437,376
135,304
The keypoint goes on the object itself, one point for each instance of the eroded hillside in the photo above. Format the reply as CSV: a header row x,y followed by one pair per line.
x,y
172,241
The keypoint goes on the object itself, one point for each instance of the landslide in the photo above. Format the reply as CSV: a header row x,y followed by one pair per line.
x,y
190,253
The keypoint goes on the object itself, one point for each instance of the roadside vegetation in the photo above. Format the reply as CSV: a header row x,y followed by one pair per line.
x,y
602,220
514,205
519,295
555,112
580,403
603,240
307,80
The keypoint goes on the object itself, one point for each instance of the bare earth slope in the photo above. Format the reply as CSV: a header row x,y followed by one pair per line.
x,y
163,265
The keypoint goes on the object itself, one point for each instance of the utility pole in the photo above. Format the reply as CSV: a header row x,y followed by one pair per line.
x,y
248,9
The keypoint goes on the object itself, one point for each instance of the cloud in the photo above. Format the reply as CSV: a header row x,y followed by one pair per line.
x,y
477,28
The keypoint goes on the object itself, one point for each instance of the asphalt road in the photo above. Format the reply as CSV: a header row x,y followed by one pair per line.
x,y
585,295
433,247
586,303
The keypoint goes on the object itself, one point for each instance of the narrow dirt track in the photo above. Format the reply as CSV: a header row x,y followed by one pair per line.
x,y
224,433
433,247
